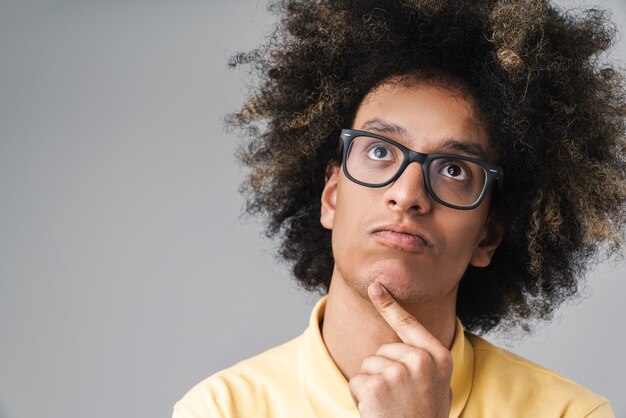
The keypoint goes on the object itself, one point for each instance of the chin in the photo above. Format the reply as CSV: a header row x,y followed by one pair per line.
x,y
406,285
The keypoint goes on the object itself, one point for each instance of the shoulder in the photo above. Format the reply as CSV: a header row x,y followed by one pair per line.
x,y
521,383
248,383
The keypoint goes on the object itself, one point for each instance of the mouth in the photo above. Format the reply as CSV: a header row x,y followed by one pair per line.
x,y
403,241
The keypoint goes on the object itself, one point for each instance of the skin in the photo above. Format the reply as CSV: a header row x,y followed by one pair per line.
x,y
390,315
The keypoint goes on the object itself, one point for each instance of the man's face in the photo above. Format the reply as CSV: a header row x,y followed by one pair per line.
x,y
415,270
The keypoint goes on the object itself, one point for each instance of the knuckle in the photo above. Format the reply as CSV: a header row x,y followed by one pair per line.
x,y
376,386
419,357
386,350
381,348
395,372
421,362
353,384
356,383
386,303
367,363
446,362
407,321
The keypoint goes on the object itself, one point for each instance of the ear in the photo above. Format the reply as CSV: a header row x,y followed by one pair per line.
x,y
490,240
329,196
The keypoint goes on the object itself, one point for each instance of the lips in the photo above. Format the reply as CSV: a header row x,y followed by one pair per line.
x,y
401,237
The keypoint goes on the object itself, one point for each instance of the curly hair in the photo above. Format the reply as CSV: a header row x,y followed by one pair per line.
x,y
554,110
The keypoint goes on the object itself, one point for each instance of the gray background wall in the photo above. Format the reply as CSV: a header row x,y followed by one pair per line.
x,y
125,274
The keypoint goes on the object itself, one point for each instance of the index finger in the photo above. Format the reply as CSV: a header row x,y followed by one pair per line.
x,y
403,323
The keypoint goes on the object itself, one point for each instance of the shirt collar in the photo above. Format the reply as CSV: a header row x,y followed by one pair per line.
x,y
323,384
327,389
462,370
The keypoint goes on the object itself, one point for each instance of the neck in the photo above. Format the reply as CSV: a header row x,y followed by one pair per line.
x,y
353,329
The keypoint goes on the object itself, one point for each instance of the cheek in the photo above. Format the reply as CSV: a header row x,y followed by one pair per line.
x,y
354,212
462,233
348,211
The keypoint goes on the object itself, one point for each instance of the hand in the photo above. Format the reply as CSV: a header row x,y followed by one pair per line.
x,y
407,379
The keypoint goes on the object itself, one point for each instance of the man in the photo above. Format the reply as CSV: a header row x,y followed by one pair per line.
x,y
481,164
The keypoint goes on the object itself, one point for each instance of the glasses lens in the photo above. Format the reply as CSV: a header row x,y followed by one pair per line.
x,y
456,181
372,160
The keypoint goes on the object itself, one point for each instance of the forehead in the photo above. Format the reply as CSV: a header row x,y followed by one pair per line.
x,y
423,116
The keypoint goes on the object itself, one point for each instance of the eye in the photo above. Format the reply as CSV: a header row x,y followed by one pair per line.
x,y
379,152
454,169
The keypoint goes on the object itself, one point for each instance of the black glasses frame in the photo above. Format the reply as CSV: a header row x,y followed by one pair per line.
x,y
492,171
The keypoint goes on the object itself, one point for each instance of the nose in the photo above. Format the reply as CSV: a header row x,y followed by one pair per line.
x,y
408,193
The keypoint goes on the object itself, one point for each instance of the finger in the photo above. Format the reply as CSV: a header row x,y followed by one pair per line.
x,y
354,387
382,365
403,323
367,386
417,361
396,351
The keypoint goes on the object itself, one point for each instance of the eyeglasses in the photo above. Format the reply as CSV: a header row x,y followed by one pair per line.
x,y
453,180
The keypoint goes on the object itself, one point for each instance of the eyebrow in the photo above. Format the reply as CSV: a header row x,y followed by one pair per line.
x,y
386,127
454,144
466,147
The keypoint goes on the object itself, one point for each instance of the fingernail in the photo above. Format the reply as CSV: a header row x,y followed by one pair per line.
x,y
376,289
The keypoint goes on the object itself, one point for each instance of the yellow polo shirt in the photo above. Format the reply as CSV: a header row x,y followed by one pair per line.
x,y
299,379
